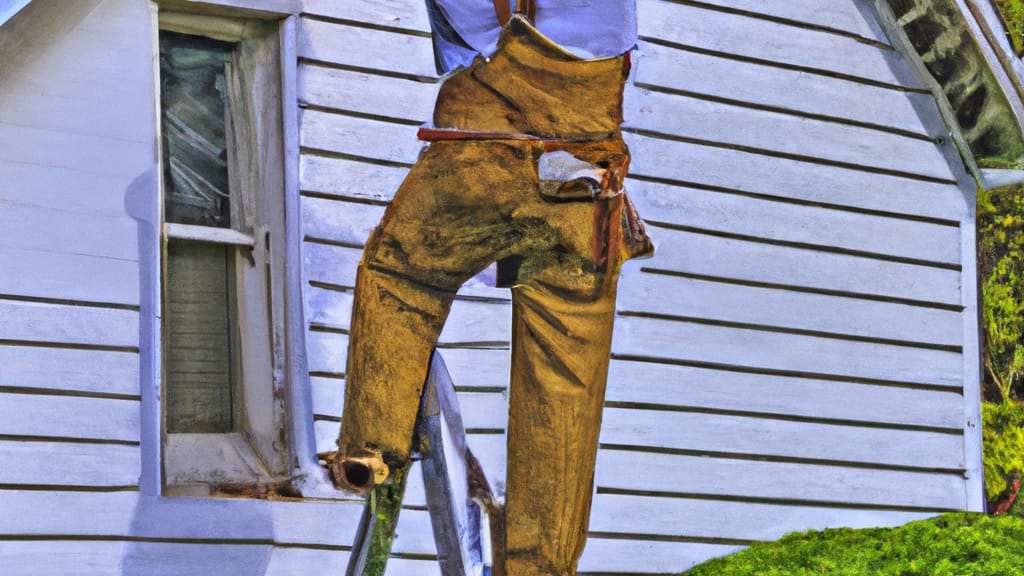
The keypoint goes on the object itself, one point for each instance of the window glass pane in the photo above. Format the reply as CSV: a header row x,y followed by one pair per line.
x,y
193,95
197,338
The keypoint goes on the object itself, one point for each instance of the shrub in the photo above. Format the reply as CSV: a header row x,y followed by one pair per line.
x,y
955,544
1001,269
1003,442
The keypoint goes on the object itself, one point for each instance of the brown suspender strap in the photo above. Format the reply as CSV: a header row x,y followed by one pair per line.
x,y
504,14
527,8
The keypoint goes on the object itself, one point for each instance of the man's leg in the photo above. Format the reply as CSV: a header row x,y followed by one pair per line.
x,y
560,355
395,323
452,216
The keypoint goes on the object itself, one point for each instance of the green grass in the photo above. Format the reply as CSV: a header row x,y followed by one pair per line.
x,y
955,544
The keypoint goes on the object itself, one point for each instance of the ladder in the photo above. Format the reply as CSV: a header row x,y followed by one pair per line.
x,y
467,520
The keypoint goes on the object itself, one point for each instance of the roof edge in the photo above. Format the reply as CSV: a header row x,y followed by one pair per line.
x,y
8,8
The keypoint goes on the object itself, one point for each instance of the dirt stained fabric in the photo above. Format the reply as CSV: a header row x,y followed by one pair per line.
x,y
476,196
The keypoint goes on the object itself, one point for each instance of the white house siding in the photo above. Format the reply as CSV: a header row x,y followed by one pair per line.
x,y
73,136
792,357
77,129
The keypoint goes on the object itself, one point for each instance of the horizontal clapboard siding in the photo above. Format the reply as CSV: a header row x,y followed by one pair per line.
x,y
791,358
816,288
733,521
748,36
736,125
69,416
149,535
836,18
74,464
761,85
58,558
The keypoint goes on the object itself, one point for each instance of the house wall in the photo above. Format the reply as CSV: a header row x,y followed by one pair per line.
x,y
73,135
795,355
78,249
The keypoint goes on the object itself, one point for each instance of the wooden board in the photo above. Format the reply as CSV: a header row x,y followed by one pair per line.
x,y
819,313
367,93
298,561
328,395
780,133
412,567
774,219
611,556
680,517
366,48
187,559
840,16
763,40
700,165
93,371
349,178
338,220
68,324
763,85
61,188
327,351
360,137
706,254
91,154
54,230
780,438
69,417
406,14
69,464
316,523
96,91
330,264
47,512
68,276
666,385
776,351
784,482
49,558
312,523
413,534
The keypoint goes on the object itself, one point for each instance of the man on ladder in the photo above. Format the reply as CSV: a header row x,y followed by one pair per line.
x,y
525,167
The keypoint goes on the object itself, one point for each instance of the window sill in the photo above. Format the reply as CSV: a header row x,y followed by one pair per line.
x,y
198,462
208,234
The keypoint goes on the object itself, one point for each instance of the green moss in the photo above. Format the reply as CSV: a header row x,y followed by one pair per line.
x,y
958,544
1012,12
386,504
1003,442
1001,269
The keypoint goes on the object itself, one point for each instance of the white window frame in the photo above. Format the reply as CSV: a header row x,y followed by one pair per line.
x,y
257,452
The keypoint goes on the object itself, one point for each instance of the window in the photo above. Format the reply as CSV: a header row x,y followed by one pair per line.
x,y
223,247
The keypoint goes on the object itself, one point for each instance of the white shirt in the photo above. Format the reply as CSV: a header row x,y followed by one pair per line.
x,y
587,28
